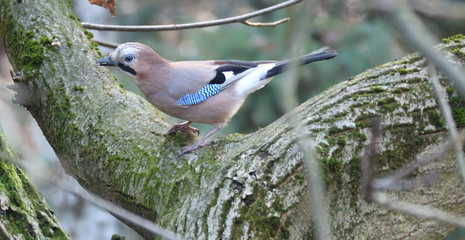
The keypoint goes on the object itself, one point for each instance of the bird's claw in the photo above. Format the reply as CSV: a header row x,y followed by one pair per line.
x,y
183,127
192,147
16,76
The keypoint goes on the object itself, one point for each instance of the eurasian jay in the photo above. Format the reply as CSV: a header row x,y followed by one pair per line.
x,y
208,92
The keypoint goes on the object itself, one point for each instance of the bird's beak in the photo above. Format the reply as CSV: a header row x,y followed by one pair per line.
x,y
106,61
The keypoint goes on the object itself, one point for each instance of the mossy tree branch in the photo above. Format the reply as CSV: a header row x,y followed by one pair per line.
x,y
112,142
24,214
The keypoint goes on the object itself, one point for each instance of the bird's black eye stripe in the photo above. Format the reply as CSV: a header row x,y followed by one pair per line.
x,y
127,69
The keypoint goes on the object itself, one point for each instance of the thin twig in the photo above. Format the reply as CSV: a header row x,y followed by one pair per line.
x,y
425,179
418,36
368,163
106,44
316,187
442,9
418,210
390,181
169,27
449,119
246,22
261,24
92,198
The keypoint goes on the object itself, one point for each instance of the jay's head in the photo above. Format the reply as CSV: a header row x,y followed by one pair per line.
x,y
131,58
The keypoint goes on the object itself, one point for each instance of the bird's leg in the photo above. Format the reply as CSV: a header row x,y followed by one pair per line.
x,y
198,143
183,126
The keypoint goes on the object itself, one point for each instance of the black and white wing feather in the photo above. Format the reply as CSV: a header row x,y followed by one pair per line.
x,y
248,75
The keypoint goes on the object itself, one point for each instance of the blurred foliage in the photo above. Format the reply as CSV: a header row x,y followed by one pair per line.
x,y
362,38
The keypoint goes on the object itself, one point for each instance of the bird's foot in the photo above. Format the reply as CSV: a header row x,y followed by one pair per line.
x,y
192,147
183,127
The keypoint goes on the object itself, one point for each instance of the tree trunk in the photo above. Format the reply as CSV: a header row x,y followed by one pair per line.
x,y
112,141
24,212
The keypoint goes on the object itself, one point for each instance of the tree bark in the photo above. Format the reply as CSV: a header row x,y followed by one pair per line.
x,y
24,214
112,141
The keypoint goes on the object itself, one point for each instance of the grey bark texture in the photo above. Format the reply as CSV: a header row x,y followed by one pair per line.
x,y
242,186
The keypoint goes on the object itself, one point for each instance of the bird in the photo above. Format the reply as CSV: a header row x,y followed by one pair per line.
x,y
209,92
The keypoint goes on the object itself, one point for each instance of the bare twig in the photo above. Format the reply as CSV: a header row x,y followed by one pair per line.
x,y
418,36
442,9
425,179
240,18
270,24
418,210
106,44
415,33
368,162
44,174
369,182
395,179
449,119
317,192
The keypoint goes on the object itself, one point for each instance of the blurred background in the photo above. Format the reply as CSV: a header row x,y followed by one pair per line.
x,y
363,38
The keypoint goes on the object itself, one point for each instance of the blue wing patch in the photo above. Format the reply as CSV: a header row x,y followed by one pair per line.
x,y
200,96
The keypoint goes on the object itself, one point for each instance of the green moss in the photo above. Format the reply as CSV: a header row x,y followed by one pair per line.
x,y
388,108
45,41
361,123
225,210
73,16
269,226
334,164
400,90
331,141
69,43
457,105
459,116
331,170
89,34
121,85
362,137
436,119
456,38
376,89
32,55
78,88
117,237
458,52
15,186
412,80
402,71
455,101
450,91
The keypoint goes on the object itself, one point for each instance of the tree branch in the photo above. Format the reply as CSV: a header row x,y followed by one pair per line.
x,y
112,141
42,173
419,37
24,212
242,19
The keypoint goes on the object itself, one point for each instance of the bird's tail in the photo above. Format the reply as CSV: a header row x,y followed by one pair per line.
x,y
302,60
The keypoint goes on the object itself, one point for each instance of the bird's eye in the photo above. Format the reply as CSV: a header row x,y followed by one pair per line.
x,y
129,58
